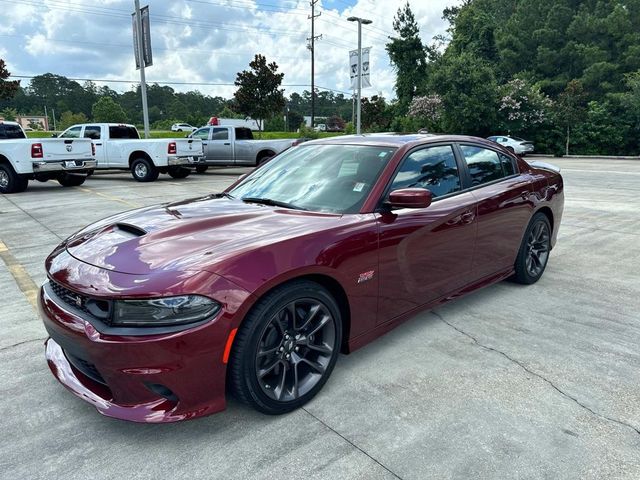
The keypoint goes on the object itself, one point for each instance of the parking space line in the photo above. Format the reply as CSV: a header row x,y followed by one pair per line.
x,y
26,285
109,197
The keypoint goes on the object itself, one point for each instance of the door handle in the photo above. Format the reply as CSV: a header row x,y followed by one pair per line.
x,y
525,195
227,143
204,144
467,217
98,144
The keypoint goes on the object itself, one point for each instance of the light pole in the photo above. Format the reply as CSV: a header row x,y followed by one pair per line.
x,y
361,21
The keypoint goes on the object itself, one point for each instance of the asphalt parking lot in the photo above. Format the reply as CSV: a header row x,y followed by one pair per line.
x,y
509,382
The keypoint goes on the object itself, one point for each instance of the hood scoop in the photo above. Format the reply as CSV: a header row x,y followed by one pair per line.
x,y
130,229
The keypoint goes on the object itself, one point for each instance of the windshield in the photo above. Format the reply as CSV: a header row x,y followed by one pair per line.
x,y
325,178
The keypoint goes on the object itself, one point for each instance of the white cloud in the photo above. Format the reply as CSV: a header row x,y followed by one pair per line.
x,y
205,41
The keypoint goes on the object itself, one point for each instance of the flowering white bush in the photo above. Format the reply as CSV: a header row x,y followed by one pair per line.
x,y
428,108
522,105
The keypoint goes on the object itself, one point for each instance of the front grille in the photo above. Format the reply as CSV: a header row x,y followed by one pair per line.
x,y
98,309
86,368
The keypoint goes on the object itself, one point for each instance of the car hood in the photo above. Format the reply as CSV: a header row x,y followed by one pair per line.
x,y
196,234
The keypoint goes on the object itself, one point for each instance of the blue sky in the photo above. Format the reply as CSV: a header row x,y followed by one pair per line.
x,y
204,42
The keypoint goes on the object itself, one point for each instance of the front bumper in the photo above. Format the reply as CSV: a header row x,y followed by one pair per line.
x,y
174,160
63,165
152,378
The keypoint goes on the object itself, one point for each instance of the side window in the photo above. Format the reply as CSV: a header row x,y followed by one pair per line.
x,y
433,168
92,132
123,132
71,133
220,134
244,133
507,165
202,134
484,165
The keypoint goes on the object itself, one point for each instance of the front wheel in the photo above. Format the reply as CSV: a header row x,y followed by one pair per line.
x,y
534,252
286,348
10,181
179,172
70,180
144,170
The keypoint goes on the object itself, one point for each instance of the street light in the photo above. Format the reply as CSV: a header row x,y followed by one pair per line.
x,y
361,21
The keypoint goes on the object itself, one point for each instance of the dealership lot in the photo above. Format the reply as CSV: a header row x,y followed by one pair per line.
x,y
510,382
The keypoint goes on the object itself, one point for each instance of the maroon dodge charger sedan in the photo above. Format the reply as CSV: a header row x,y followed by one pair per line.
x,y
155,313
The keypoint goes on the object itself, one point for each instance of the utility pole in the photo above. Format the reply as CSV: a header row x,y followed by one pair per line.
x,y
143,81
311,47
361,21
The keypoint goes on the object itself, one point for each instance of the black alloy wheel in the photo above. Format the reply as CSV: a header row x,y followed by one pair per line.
x,y
286,348
534,251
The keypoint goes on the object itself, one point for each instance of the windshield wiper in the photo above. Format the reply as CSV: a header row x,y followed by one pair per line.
x,y
273,203
224,194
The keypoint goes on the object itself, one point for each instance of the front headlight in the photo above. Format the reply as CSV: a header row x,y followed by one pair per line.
x,y
160,312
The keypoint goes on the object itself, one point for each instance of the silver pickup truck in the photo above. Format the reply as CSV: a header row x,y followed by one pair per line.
x,y
230,146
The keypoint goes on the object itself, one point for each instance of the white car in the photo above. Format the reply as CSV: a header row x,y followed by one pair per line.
x,y
513,144
182,127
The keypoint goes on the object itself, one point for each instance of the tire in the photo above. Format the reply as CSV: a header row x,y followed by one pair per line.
x,y
10,181
264,157
69,180
144,170
511,149
534,251
201,168
277,366
179,172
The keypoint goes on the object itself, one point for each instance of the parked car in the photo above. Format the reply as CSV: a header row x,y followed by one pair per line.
x,y
231,146
42,159
321,127
119,147
514,144
182,127
152,313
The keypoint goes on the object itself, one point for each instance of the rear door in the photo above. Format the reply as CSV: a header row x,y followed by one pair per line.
x,y
117,151
427,253
219,146
93,132
503,207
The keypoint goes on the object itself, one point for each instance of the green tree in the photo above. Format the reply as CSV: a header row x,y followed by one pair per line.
x,y
106,109
8,88
469,92
407,55
9,114
570,109
259,95
67,119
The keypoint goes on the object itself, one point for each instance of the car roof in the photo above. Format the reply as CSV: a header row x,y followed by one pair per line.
x,y
396,139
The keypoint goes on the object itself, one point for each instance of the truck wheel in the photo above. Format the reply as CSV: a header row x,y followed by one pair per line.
x,y
70,180
264,157
10,181
144,171
201,168
179,172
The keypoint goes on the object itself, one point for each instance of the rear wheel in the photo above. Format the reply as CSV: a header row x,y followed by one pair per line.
x,y
71,180
201,168
144,170
264,157
10,181
511,149
534,252
286,348
179,172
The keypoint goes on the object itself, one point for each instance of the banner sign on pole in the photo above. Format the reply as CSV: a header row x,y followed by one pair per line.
x,y
147,55
353,68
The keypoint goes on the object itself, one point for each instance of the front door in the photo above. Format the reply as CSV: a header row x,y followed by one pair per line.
x,y
219,149
426,254
93,132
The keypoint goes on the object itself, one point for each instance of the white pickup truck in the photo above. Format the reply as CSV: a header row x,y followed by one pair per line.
x,y
229,146
119,147
42,159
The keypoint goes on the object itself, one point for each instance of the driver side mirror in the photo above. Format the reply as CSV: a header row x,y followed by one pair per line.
x,y
410,198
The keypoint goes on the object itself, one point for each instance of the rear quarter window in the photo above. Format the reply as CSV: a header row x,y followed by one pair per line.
x,y
123,132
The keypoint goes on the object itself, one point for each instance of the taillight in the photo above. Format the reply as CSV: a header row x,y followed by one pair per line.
x,y
172,148
36,150
93,149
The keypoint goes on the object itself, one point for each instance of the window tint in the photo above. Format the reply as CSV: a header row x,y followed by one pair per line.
x,y
244,134
72,133
92,132
122,132
507,165
433,168
220,134
202,134
484,165
8,132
